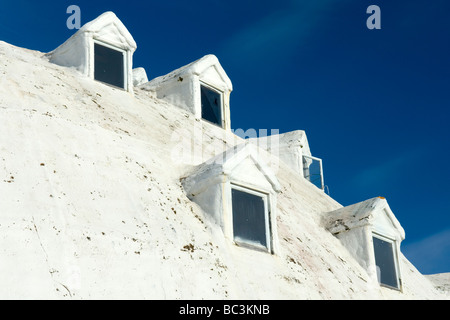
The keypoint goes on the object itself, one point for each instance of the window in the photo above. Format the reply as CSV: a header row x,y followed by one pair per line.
x,y
386,261
250,218
313,171
211,105
109,65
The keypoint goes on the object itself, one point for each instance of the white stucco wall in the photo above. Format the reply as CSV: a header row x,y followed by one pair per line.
x,y
106,216
289,147
358,242
73,53
181,92
139,76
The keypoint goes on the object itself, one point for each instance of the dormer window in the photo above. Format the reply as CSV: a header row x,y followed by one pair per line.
x,y
102,50
211,101
109,65
372,235
386,261
250,218
202,88
238,191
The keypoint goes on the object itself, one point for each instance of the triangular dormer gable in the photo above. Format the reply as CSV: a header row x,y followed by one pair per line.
x,y
211,72
243,163
374,212
109,28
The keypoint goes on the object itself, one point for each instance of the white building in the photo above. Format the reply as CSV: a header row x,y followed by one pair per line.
x,y
94,205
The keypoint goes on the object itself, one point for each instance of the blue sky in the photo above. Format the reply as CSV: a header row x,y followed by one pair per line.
x,y
374,103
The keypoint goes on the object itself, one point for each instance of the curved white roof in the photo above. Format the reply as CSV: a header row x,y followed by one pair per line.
x,y
92,206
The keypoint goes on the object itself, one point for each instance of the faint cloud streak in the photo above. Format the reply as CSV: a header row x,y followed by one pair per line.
x,y
388,170
431,254
278,35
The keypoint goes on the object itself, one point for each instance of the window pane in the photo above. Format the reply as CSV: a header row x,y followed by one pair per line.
x,y
249,218
211,106
384,260
108,65
312,171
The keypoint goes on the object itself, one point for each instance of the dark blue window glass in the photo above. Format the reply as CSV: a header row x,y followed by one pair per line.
x,y
211,105
385,263
108,65
249,221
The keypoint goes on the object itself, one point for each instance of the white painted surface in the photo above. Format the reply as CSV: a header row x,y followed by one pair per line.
x,y
289,147
139,76
105,216
441,282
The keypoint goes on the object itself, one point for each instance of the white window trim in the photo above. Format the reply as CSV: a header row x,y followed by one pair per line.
x,y
394,247
222,104
125,63
322,183
265,197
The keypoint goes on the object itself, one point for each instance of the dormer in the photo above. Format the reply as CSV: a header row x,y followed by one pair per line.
x,y
293,149
372,234
237,190
102,50
201,87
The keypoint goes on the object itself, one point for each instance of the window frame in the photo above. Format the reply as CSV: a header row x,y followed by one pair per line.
x,y
222,110
267,218
395,256
125,63
322,182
